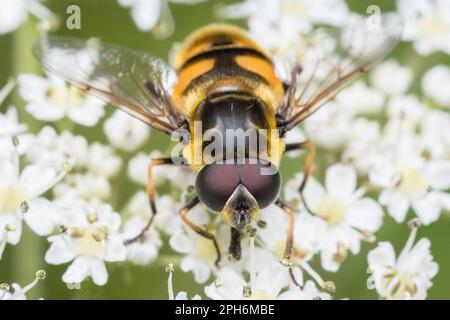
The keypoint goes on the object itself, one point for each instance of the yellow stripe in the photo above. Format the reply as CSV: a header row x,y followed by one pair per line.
x,y
200,41
261,67
189,73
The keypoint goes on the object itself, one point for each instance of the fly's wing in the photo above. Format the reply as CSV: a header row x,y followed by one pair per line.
x,y
329,59
134,81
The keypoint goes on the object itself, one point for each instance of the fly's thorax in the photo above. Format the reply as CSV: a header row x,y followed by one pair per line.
x,y
232,126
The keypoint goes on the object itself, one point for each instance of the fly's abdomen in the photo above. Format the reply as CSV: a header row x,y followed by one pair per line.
x,y
221,59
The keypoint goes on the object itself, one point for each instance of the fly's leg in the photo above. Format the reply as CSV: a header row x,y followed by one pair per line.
x,y
287,256
151,195
309,163
201,231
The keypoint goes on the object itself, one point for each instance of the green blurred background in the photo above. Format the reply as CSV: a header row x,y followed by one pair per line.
x,y
107,20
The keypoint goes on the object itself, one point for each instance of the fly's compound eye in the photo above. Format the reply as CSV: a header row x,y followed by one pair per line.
x,y
262,182
215,183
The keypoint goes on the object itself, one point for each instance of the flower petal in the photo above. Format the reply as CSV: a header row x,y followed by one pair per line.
x,y
231,286
75,273
340,181
41,216
200,269
438,174
397,204
115,249
365,214
37,178
59,252
382,256
429,207
180,242
98,271
146,14
12,237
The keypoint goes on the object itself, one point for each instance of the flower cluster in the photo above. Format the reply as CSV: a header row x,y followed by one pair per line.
x,y
383,153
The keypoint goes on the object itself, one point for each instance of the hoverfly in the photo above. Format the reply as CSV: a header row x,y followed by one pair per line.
x,y
224,80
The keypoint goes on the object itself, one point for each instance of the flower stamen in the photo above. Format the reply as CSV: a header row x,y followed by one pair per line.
x,y
170,270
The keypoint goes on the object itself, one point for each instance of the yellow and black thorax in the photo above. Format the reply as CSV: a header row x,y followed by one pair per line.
x,y
227,81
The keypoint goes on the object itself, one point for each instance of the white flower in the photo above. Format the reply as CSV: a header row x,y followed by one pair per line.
x,y
427,23
142,252
91,238
182,295
360,99
330,126
49,148
230,285
50,99
11,132
199,252
179,176
10,125
102,161
138,169
294,135
391,78
19,292
350,218
406,277
20,198
278,24
125,132
309,292
147,14
14,13
85,186
308,231
364,147
405,113
435,134
168,217
410,180
434,84
96,164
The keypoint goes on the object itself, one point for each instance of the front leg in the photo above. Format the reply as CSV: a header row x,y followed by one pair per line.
x,y
199,230
151,191
309,163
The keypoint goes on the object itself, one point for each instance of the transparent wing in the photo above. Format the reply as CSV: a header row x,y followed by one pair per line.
x,y
134,81
327,60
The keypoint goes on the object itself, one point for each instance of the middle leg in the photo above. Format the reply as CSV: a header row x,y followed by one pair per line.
x,y
287,256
